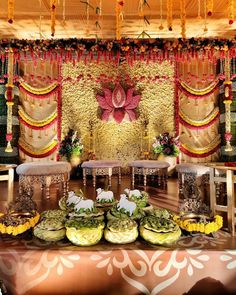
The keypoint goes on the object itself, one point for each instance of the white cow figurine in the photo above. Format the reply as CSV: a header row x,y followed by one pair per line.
x,y
134,192
72,198
124,203
104,195
84,204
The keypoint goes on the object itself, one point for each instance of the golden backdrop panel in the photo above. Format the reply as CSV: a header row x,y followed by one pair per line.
x,y
113,140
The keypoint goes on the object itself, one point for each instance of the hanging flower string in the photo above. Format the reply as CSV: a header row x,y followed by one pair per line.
x,y
231,11
209,7
119,17
169,14
183,18
53,16
10,6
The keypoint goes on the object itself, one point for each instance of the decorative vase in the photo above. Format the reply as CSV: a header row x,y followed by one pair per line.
x,y
169,159
75,160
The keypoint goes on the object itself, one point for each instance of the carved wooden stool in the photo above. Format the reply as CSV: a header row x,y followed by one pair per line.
x,y
193,179
149,167
101,167
45,173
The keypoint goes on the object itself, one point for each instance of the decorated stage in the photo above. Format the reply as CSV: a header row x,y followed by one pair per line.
x,y
30,266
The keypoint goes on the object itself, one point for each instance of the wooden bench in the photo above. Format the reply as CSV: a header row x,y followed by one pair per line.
x,y
101,167
45,173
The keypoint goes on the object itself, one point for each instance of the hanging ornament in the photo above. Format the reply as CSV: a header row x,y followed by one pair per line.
x,y
161,16
227,101
199,9
119,17
64,12
231,12
183,18
11,11
9,98
53,16
205,16
169,14
209,5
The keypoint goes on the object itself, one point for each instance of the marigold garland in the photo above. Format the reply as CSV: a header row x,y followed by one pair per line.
x,y
10,11
198,93
53,16
201,152
42,92
169,14
206,228
231,12
209,7
161,49
40,153
20,228
183,18
119,18
199,124
25,118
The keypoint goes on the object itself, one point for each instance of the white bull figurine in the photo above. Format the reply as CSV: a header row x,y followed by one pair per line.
x,y
134,192
84,204
124,203
104,195
72,198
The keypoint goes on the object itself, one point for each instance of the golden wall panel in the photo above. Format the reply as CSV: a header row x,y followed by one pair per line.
x,y
112,140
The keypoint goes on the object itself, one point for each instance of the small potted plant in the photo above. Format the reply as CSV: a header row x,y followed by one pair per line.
x,y
167,149
71,148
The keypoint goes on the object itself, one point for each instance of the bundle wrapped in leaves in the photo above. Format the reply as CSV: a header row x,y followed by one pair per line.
x,y
51,229
121,231
159,231
84,231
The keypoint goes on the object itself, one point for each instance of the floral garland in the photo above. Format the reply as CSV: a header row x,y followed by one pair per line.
x,y
201,227
40,153
198,93
36,124
161,49
199,124
201,152
20,228
43,92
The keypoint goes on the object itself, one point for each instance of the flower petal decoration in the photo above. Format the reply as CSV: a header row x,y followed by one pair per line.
x,y
116,104
118,115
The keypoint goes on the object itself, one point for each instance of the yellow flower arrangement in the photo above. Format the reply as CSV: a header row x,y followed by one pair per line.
x,y
189,223
19,228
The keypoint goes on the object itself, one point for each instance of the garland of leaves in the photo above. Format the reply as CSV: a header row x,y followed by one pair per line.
x,y
145,49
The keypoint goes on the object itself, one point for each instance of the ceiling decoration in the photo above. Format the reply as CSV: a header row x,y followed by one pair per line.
x,y
44,19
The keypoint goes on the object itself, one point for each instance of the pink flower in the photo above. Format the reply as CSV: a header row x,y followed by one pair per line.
x,y
117,104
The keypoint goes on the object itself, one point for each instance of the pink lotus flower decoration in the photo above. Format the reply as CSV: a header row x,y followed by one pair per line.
x,y
118,104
